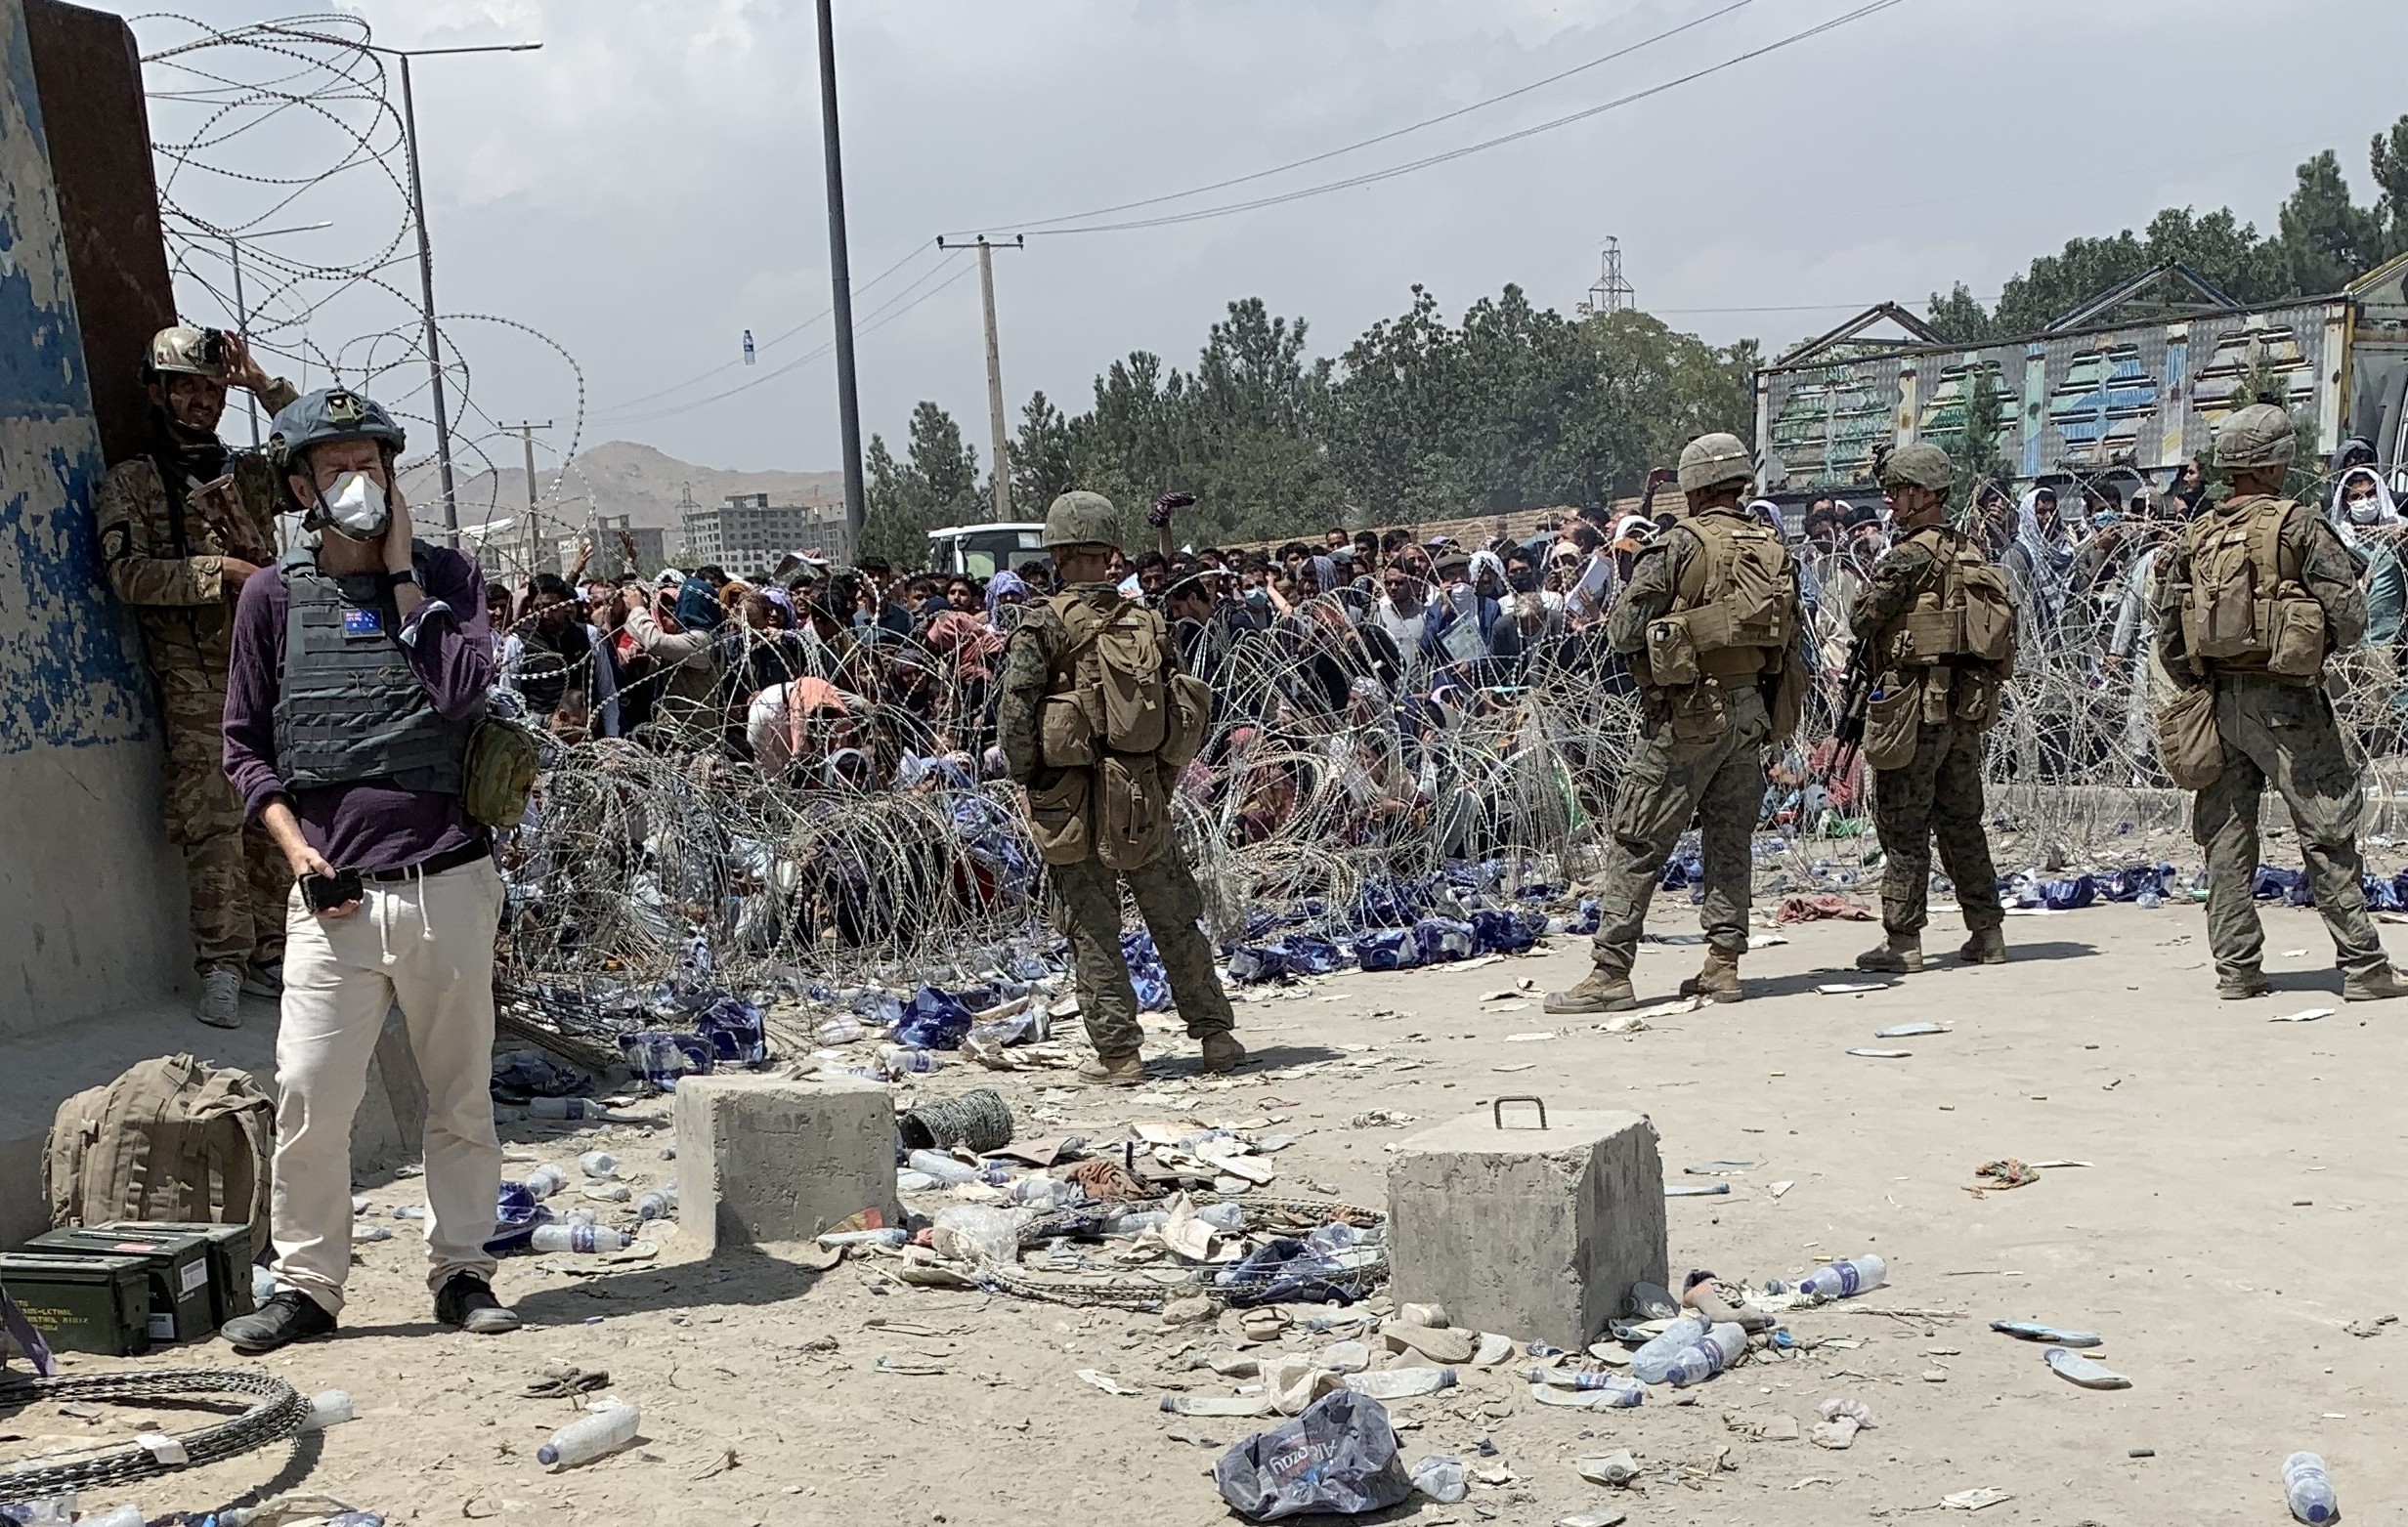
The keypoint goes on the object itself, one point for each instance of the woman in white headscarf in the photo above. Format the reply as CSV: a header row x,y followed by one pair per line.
x,y
2362,510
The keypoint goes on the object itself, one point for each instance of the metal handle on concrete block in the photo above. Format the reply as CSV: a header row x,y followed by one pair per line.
x,y
1496,1110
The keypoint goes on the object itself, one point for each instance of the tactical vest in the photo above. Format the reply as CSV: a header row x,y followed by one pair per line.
x,y
2244,608
348,708
1967,613
1116,719
1733,609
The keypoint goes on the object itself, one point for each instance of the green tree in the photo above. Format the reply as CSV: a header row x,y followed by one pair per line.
x,y
2389,158
937,484
2328,239
1960,317
1041,470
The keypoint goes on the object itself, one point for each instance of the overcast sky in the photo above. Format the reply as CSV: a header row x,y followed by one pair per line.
x,y
649,185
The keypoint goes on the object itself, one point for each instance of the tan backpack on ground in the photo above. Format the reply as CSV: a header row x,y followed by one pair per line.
x,y
172,1139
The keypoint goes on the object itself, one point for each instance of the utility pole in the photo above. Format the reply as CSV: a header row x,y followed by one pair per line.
x,y
526,438
995,368
840,278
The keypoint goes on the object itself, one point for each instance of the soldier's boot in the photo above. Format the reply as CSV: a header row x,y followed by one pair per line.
x,y
1223,1052
1718,980
221,999
2240,985
1601,990
1113,1071
1898,954
1986,947
2380,983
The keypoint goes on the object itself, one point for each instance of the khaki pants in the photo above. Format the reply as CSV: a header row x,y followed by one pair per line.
x,y
1718,783
428,946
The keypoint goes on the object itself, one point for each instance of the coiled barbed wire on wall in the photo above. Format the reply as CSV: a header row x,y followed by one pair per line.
x,y
262,131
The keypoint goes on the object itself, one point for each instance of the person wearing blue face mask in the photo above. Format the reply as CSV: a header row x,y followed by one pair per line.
x,y
359,677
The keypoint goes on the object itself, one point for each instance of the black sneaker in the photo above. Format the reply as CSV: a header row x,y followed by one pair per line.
x,y
287,1317
466,1300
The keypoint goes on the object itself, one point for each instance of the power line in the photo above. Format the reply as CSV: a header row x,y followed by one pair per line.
x,y
1372,177
1381,137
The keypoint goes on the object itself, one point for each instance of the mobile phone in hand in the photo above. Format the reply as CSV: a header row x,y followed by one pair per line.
x,y
324,893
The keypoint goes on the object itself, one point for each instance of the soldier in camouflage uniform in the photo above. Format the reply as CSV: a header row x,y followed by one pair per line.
x,y
1082,531
181,528
1911,610
2272,716
1709,622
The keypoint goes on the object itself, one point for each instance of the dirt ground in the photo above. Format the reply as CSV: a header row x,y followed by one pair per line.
x,y
2225,1229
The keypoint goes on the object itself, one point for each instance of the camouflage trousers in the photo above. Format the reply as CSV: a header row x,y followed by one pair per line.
x,y
1086,909
1717,781
233,871
2284,735
1936,795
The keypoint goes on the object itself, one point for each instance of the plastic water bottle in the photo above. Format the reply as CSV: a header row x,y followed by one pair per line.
x,y
1039,1191
2310,1488
1400,1383
1442,1478
943,1167
599,1164
1845,1279
659,1204
546,1181
581,1216
1707,1357
127,1515
2148,900
1651,1363
566,1108
578,1238
373,1233
327,1408
893,1236
901,1060
1621,1390
597,1435
1135,1221
840,1030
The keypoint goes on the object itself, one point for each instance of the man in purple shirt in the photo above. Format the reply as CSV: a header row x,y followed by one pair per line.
x,y
359,671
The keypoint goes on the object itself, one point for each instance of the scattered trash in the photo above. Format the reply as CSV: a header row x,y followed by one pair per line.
x,y
2370,1328
2308,1488
1442,1478
1608,1468
1813,909
603,1430
1339,1457
1695,1190
1604,1517
2083,1371
1762,1425
546,1181
1974,1500
1851,988
600,1166
1099,1378
1529,1038
1720,1169
1845,1279
1882,1054
578,1238
1838,1433
1400,1383
1780,1189
1909,1031
1212,1405
2034,1331
2303,1015
1585,1391
327,1408
2002,1174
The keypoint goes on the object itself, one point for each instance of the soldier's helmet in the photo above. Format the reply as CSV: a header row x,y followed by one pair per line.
x,y
1080,518
2258,436
331,414
1711,460
184,348
1918,465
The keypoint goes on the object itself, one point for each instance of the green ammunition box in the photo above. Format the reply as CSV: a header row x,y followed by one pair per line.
x,y
181,1303
82,1303
229,1259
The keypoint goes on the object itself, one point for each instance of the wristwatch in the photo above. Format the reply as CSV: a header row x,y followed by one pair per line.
x,y
387,582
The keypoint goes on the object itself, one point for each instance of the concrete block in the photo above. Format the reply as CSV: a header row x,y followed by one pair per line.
x,y
776,1158
1533,1233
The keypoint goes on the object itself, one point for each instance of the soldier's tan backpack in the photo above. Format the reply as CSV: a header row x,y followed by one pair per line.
x,y
172,1139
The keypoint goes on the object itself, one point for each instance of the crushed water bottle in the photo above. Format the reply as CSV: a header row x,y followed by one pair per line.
x,y
1442,1478
943,1167
599,1164
2310,1489
1707,1357
578,1238
127,1515
901,1060
546,1181
597,1435
659,1204
327,1408
1652,1363
1039,1191
1845,1279
842,1031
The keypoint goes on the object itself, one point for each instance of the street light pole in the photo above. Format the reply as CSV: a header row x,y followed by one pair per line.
x,y
242,311
840,278
426,256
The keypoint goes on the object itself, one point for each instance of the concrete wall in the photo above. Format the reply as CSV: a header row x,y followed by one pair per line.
x,y
91,898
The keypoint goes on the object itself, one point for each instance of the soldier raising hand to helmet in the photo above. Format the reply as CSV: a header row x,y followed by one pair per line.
x,y
182,528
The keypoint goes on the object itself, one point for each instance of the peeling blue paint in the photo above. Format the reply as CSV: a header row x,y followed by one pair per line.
x,y
69,676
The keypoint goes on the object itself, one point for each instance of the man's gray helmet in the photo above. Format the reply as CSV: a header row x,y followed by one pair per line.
x,y
192,352
330,413
2258,436
1080,518
1919,465
1710,460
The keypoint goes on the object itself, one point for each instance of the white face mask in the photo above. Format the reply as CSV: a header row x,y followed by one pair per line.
x,y
357,508
2363,511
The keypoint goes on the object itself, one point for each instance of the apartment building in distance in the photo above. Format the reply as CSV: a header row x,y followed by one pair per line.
x,y
747,534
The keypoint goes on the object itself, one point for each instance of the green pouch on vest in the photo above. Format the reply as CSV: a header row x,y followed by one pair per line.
x,y
503,760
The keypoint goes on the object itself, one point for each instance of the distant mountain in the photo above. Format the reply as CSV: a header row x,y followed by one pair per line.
x,y
616,478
